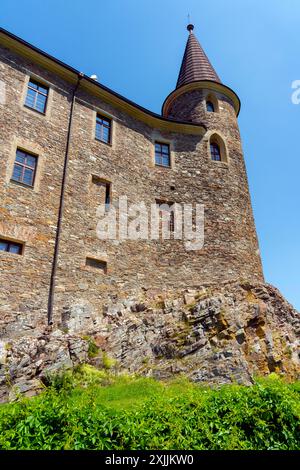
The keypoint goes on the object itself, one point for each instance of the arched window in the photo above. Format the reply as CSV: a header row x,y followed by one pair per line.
x,y
212,103
215,152
210,107
218,149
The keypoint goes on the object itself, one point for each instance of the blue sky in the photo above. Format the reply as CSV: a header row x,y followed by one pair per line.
x,y
136,47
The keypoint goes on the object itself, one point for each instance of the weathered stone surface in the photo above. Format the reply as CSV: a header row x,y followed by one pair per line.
x,y
230,250
236,332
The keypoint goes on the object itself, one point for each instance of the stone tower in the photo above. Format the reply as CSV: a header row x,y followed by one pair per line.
x,y
201,97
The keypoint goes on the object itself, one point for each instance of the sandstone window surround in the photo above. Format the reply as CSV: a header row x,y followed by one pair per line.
x,y
217,148
32,98
215,152
24,170
32,149
11,246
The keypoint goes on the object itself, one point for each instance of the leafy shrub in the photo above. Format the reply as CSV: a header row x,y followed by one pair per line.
x,y
93,409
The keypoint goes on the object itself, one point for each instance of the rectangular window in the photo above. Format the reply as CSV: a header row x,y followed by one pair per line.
x,y
104,190
37,96
11,247
167,211
215,152
24,168
162,154
96,264
103,129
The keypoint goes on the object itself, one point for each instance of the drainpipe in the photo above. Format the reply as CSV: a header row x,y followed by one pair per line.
x,y
61,207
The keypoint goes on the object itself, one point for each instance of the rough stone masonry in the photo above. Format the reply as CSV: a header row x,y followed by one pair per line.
x,y
213,335
205,165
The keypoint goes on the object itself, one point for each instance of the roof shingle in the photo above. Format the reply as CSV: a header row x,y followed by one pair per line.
x,y
195,64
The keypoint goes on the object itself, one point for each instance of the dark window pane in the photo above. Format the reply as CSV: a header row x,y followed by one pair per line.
x,y
103,127
33,85
17,173
30,161
20,157
105,134
210,107
166,161
11,247
162,154
215,152
3,246
28,177
43,90
14,248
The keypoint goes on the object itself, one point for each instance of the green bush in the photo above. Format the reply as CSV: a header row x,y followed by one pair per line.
x,y
93,409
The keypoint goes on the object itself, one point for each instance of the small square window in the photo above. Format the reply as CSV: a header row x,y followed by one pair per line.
x,y
11,247
96,264
105,187
37,96
24,168
103,129
162,154
167,209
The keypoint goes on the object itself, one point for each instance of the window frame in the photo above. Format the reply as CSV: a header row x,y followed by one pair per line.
x,y
24,167
37,92
161,154
210,104
216,138
172,212
213,147
110,121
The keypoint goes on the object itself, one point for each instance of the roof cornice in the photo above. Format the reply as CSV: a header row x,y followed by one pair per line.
x,y
200,85
70,74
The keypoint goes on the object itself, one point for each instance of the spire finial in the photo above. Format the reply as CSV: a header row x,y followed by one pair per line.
x,y
190,27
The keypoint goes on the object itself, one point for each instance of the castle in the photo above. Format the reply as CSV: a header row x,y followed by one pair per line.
x,y
69,144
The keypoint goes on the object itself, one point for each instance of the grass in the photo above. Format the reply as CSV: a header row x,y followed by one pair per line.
x,y
95,409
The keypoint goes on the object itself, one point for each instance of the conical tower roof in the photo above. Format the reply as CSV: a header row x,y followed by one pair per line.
x,y
195,63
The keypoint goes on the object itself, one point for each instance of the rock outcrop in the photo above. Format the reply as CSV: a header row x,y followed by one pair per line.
x,y
215,335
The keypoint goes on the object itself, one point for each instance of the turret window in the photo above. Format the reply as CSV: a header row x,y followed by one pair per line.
x,y
162,154
218,149
210,107
212,104
215,152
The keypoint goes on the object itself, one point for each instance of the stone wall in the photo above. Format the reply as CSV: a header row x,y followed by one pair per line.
x,y
29,215
230,251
